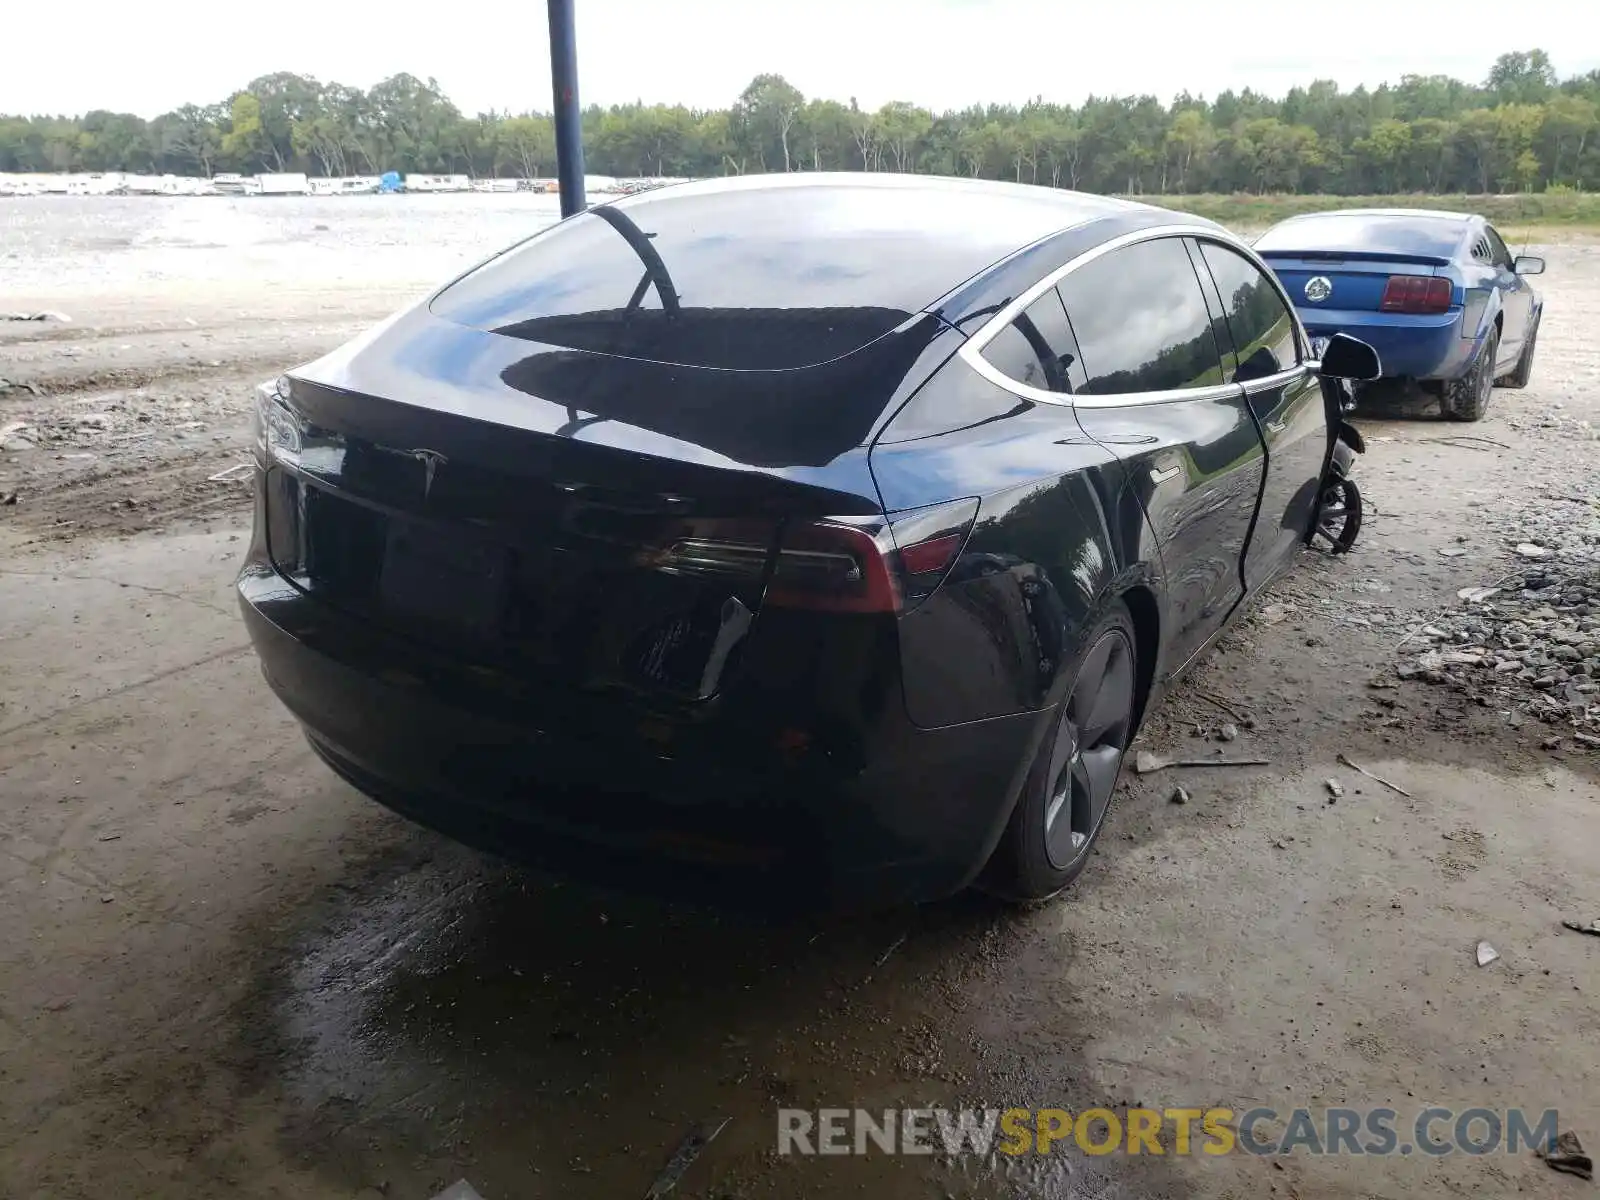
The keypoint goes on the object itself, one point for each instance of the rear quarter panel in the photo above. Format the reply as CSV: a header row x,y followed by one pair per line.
x,y
1057,537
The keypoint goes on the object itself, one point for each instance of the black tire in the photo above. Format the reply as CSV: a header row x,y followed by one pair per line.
x,y
1339,515
1523,371
1467,398
1038,857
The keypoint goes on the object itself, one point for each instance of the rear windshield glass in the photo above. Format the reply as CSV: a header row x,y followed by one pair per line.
x,y
1434,236
782,278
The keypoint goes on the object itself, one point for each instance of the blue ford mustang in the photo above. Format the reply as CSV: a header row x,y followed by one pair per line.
x,y
1437,294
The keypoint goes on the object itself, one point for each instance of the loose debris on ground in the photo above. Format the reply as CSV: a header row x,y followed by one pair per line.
x,y
1360,770
688,1150
1568,1155
1529,642
1145,762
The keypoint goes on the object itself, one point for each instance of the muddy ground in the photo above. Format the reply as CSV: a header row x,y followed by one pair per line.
x,y
226,973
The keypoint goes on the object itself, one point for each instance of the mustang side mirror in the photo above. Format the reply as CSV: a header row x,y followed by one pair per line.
x,y
1528,264
1350,358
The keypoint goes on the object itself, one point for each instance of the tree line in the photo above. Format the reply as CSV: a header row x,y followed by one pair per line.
x,y
1520,129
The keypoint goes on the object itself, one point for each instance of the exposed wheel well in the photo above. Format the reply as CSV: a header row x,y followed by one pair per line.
x,y
1141,604
1499,322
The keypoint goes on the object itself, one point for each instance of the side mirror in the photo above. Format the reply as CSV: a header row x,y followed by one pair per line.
x,y
1527,264
1350,358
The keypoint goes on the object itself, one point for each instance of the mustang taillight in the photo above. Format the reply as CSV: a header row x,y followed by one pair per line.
x,y
1416,294
833,564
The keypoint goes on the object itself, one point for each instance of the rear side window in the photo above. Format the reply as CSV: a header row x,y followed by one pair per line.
x,y
1498,254
1261,325
1141,321
1037,349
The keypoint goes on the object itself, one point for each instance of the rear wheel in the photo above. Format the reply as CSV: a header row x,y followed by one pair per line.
x,y
1523,371
1068,791
1467,398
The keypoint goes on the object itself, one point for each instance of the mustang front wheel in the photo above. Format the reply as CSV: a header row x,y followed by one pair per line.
x,y
1523,371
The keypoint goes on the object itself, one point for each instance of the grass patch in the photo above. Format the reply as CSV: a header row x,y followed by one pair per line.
x,y
1516,215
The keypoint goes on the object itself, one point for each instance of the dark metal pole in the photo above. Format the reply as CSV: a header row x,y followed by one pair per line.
x,y
568,116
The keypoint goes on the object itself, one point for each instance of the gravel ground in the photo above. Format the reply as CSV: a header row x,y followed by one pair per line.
x,y
227,973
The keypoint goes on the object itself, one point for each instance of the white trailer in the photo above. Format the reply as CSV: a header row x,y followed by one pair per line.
x,y
291,183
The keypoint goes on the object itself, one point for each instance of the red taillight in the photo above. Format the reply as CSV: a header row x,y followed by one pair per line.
x,y
833,568
1416,294
830,565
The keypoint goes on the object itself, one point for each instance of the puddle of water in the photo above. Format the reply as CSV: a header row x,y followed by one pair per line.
x,y
516,1030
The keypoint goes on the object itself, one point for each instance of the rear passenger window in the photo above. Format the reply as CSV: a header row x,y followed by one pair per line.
x,y
1260,322
1141,321
1498,254
1037,348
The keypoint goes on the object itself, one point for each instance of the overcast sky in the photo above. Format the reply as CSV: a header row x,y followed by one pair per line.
x,y
150,56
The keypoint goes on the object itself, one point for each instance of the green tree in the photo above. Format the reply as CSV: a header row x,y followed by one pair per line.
x,y
1521,77
1384,150
1569,122
1520,128
765,116
1189,139
527,143
246,142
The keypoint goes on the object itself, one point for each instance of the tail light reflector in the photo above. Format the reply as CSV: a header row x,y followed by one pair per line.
x,y
1416,294
932,555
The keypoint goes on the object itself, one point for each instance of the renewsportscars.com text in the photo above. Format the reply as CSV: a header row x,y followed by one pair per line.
x,y
1177,1131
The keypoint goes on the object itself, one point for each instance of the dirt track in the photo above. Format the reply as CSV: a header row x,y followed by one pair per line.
x,y
226,973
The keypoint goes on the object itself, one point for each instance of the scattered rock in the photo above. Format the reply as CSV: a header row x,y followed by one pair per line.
x,y
1335,789
1486,954
1271,614
1180,795
1227,732
1529,550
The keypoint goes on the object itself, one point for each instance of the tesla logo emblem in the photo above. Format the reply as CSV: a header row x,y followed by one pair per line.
x,y
431,461
1318,288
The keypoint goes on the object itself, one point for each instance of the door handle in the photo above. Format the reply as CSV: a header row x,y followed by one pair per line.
x,y
1160,477
1276,426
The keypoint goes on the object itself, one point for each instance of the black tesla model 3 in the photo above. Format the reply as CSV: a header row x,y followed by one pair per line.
x,y
815,534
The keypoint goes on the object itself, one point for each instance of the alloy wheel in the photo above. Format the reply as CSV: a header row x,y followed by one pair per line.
x,y
1091,736
1339,515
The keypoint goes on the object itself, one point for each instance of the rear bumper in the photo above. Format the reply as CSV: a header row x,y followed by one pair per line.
x,y
911,816
1409,346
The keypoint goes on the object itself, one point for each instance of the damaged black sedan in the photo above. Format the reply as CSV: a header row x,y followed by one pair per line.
x,y
826,535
